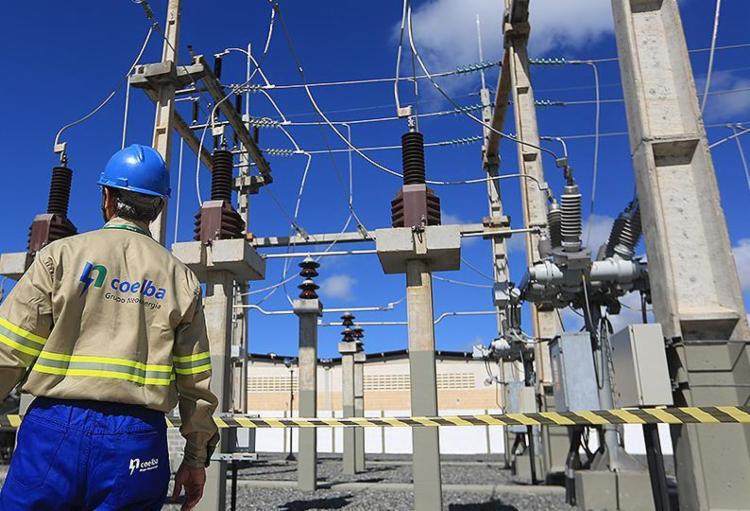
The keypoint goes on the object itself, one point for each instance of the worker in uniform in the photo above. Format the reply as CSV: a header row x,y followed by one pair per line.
x,y
106,330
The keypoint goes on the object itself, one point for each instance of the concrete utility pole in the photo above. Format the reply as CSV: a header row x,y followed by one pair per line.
x,y
163,122
218,310
695,290
423,375
348,348
308,308
515,83
418,245
359,401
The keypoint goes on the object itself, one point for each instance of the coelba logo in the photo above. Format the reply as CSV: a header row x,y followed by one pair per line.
x,y
87,276
146,288
96,274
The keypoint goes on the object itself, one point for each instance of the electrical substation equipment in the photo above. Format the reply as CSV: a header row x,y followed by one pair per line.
x,y
217,218
55,224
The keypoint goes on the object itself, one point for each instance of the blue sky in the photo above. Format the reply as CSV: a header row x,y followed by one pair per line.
x,y
65,57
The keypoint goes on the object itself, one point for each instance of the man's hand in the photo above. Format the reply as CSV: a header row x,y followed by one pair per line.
x,y
192,479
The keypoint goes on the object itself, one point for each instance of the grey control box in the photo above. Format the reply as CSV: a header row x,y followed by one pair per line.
x,y
641,374
573,374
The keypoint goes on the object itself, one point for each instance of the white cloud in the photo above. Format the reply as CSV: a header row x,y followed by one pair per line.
x,y
445,30
630,313
601,225
448,218
725,106
742,257
338,286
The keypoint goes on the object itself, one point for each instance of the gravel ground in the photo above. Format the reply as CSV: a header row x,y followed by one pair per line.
x,y
456,471
374,500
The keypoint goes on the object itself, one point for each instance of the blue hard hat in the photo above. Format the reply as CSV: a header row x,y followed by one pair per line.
x,y
137,168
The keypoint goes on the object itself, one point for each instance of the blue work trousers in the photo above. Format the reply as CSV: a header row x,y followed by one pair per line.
x,y
87,455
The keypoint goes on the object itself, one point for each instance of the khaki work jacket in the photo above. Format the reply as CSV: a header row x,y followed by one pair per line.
x,y
111,315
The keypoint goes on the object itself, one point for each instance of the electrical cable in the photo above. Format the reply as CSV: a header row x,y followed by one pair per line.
x,y
597,121
744,131
742,155
717,16
515,139
398,60
233,90
461,282
476,270
111,94
470,68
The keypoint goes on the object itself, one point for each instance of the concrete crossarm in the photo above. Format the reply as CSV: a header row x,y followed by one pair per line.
x,y
516,21
147,76
216,90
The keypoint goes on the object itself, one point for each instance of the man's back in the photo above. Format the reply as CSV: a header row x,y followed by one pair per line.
x,y
117,300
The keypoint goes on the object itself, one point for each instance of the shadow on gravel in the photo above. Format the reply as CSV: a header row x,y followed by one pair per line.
x,y
325,503
492,505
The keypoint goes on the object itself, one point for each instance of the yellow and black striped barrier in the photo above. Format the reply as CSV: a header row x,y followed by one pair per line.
x,y
669,415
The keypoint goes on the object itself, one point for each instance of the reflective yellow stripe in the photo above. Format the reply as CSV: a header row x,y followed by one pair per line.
x,y
394,422
492,421
192,370
23,333
20,347
592,417
523,419
458,421
700,415
330,422
736,413
244,422
662,416
557,418
424,421
104,360
627,416
192,358
96,373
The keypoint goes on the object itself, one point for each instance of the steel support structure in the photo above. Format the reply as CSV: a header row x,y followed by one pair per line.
x,y
423,377
165,96
308,311
694,286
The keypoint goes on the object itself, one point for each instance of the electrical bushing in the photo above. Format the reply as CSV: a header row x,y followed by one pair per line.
x,y
415,204
217,219
55,224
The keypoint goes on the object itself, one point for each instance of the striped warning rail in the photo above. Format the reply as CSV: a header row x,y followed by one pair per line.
x,y
669,415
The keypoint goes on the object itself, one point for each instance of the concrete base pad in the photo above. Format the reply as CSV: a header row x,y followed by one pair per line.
x,y
610,491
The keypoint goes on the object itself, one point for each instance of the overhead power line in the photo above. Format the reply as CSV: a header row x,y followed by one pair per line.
x,y
712,51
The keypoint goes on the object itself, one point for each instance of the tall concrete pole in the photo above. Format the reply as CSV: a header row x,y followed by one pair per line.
x,y
500,271
359,409
308,308
545,324
218,310
164,119
423,376
694,285
347,348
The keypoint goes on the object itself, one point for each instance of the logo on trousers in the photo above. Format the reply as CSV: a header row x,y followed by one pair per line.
x,y
142,466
